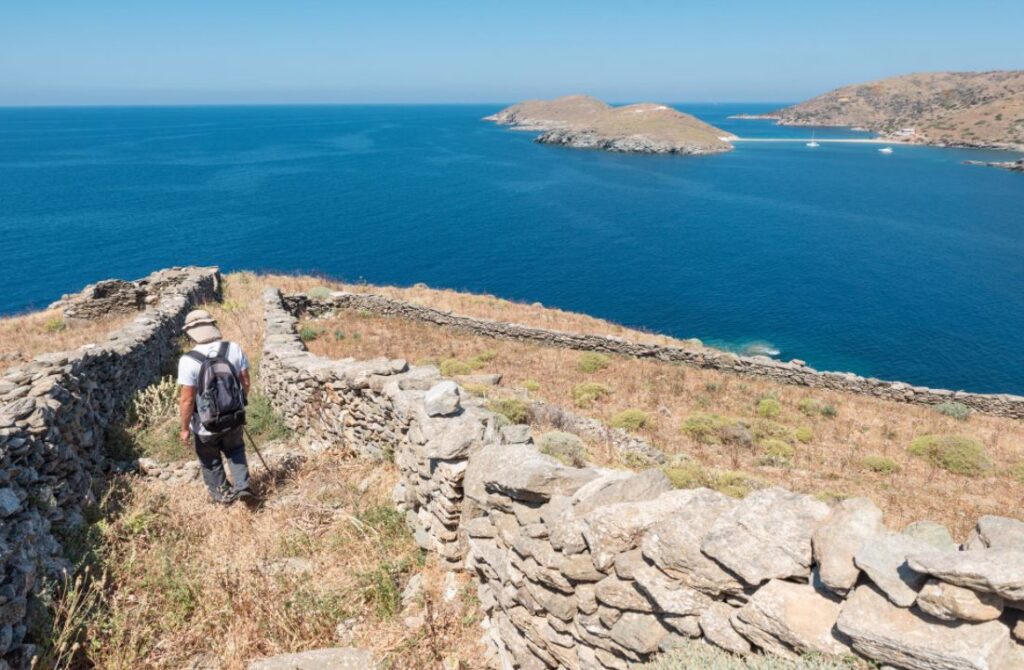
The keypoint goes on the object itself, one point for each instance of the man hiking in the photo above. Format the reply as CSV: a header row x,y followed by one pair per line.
x,y
214,381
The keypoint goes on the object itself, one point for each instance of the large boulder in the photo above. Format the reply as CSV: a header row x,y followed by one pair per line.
x,y
613,529
955,603
836,541
998,571
767,536
673,544
442,399
884,560
337,658
716,624
522,473
899,637
787,618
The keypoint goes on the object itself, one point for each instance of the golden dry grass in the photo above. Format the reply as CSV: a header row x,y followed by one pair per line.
x,y
26,336
830,464
189,580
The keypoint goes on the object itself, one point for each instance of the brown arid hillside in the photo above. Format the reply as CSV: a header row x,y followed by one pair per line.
x,y
974,109
587,123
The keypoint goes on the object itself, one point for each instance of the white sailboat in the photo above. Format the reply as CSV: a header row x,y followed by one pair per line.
x,y
885,150
812,144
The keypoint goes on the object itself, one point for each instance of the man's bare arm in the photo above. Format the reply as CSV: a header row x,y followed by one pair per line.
x,y
244,376
186,405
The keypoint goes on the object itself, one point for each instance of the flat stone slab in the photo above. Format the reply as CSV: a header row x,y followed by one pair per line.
x,y
900,637
336,658
955,603
884,560
716,624
998,571
787,618
852,523
767,536
998,532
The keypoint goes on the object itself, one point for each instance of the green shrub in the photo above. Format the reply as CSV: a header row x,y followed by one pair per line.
x,y
776,452
586,394
513,409
831,497
705,428
735,483
566,447
531,385
631,419
262,420
953,453
768,408
339,335
453,366
690,475
809,406
880,464
591,361
308,333
319,293
479,390
804,434
764,429
483,358
55,325
829,411
956,410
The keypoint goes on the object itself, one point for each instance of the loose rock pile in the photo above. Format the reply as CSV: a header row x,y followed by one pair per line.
x,y
595,568
793,372
54,413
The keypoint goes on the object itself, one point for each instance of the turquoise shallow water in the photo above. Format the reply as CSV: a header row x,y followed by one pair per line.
x,y
908,266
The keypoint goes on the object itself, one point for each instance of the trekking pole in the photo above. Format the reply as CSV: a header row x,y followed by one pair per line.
x,y
256,449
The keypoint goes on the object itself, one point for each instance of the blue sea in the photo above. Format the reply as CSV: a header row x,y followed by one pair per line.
x,y
908,266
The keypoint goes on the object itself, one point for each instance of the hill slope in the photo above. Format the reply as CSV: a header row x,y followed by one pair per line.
x,y
977,109
587,123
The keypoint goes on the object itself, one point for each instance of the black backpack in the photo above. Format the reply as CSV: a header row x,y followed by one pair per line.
x,y
220,400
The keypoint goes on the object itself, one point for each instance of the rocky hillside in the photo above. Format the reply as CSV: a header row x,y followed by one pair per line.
x,y
587,123
976,109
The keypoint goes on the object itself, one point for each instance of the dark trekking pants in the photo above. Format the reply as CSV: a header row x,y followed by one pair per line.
x,y
209,449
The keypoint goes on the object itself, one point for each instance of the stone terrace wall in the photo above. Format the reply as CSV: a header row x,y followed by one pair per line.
x,y
54,412
589,568
793,372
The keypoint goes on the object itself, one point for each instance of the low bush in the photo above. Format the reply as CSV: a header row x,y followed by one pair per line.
x,y
768,408
591,361
262,420
776,452
880,464
690,475
804,434
531,385
513,409
953,453
319,293
566,447
809,406
308,333
956,410
586,394
55,325
705,428
829,411
451,367
765,429
479,390
631,419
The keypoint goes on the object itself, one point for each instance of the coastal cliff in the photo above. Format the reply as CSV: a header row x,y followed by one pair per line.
x,y
584,122
967,109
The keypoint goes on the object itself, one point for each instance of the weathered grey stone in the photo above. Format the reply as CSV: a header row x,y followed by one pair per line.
x,y
998,571
641,633
522,473
673,544
999,532
688,626
518,433
9,503
894,635
716,624
621,594
627,563
453,437
668,595
442,399
1018,629
767,536
840,537
580,568
884,560
932,533
483,379
338,658
955,603
617,528
617,486
785,617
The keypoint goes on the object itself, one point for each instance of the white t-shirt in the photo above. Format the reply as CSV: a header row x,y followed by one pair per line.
x,y
188,368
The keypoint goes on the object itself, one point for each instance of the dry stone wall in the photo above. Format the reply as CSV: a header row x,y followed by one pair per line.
x,y
54,414
792,372
590,568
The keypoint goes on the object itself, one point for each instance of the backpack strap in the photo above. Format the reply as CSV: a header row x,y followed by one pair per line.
x,y
222,350
196,356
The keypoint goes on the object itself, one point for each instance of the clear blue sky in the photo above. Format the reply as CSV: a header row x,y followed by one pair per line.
x,y
240,51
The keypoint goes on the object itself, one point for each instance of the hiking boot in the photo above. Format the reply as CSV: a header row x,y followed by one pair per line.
x,y
245,496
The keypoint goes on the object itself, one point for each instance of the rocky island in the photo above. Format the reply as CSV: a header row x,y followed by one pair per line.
x,y
587,123
964,109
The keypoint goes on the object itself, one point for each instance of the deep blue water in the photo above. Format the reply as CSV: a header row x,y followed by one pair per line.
x,y
908,266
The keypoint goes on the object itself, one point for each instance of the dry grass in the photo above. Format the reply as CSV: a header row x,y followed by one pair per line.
x,y
24,337
829,452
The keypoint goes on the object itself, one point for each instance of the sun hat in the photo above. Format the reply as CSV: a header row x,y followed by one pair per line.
x,y
201,327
